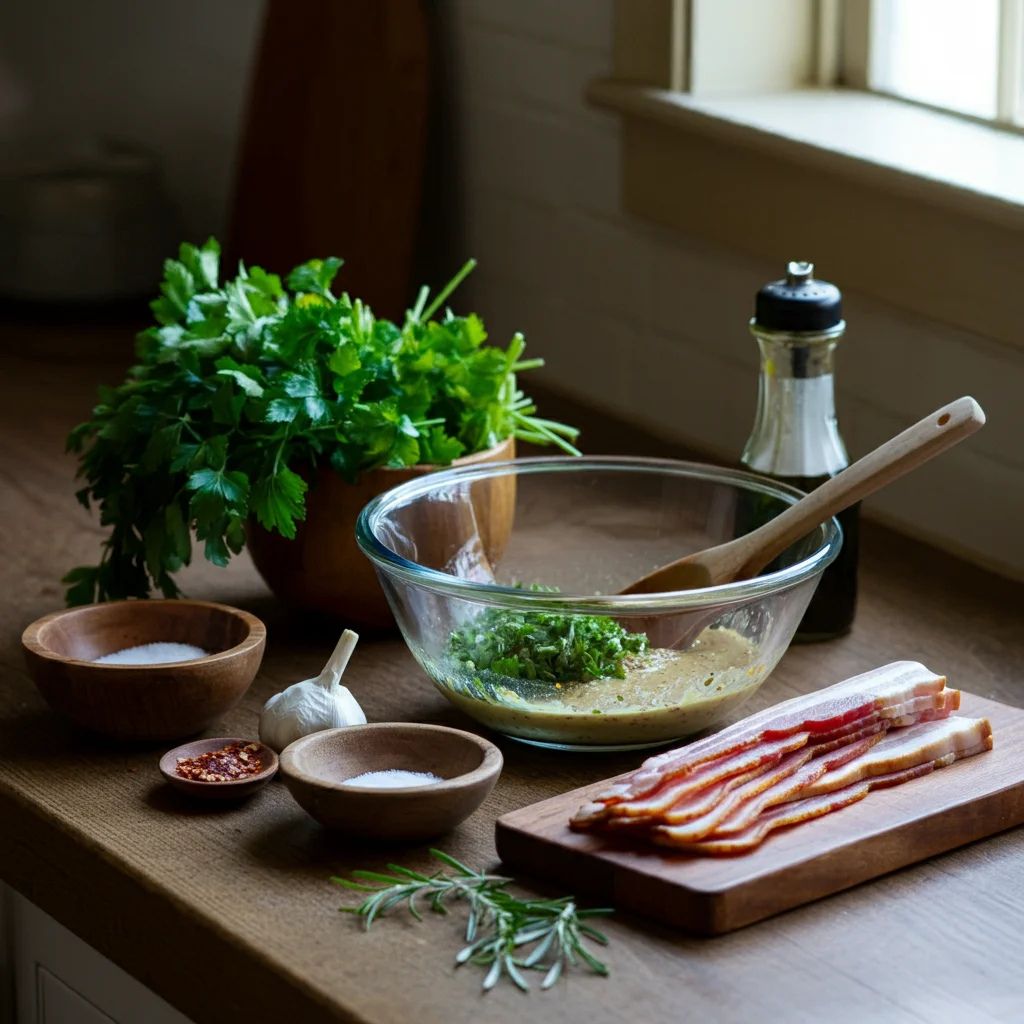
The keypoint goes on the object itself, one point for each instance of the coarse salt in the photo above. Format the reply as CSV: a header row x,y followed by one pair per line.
x,y
393,778
152,654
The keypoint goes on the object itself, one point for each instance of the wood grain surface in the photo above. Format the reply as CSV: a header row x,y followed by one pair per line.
x,y
889,829
223,910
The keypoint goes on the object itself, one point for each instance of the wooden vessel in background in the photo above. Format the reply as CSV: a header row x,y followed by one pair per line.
x,y
333,149
323,570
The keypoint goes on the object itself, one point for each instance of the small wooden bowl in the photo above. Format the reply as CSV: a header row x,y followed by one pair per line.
x,y
144,702
236,789
315,769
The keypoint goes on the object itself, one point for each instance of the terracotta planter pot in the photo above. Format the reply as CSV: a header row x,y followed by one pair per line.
x,y
323,570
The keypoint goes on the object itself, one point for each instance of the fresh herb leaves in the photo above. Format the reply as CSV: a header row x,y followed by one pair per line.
x,y
244,387
501,929
548,647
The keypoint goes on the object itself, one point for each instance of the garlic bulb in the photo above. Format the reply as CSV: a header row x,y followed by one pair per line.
x,y
313,704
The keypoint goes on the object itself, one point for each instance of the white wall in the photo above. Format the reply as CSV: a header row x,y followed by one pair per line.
x,y
172,76
649,324
653,325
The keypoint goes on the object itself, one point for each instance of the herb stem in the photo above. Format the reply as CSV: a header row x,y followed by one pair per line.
x,y
538,428
448,289
416,313
499,926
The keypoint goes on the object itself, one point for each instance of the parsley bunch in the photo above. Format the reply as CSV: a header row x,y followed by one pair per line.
x,y
551,648
243,384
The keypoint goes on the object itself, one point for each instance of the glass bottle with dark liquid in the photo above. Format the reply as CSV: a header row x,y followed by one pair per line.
x,y
798,323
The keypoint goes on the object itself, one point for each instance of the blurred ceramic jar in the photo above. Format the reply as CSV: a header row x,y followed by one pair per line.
x,y
82,221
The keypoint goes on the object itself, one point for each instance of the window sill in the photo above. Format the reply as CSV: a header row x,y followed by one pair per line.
x,y
911,206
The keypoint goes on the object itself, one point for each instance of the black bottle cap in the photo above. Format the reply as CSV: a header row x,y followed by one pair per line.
x,y
799,302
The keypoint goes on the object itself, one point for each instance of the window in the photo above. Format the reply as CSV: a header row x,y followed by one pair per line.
x,y
962,56
896,127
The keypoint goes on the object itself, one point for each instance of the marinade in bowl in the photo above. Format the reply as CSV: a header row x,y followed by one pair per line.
x,y
503,580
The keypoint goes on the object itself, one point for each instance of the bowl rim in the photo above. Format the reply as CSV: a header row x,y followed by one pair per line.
x,y
490,766
215,743
725,594
30,637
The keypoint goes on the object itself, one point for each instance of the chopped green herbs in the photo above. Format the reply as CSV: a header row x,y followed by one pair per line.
x,y
500,927
548,647
242,384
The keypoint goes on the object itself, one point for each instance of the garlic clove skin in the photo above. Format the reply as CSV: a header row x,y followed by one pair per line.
x,y
346,708
305,708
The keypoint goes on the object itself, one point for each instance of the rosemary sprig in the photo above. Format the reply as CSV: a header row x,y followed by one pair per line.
x,y
500,927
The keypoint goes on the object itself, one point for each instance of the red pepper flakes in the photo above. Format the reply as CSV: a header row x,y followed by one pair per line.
x,y
235,761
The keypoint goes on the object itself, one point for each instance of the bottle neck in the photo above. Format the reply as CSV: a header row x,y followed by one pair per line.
x,y
795,430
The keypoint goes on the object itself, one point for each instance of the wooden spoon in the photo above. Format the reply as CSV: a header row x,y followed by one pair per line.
x,y
746,556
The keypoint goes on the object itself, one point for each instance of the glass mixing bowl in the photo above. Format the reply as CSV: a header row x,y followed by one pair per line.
x,y
580,667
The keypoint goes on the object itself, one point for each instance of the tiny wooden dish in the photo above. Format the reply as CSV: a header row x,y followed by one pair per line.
x,y
144,702
235,789
316,767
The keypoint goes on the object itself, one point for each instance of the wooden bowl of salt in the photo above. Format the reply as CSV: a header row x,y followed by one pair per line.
x,y
145,670
391,781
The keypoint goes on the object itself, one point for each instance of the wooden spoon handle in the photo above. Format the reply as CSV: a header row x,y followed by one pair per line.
x,y
338,661
905,452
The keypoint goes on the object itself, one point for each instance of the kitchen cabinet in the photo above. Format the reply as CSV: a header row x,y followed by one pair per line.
x,y
53,977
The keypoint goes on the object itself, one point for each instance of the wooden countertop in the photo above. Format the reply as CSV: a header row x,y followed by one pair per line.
x,y
224,910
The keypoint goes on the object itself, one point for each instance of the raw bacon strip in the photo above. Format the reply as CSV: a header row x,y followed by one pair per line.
x,y
906,748
918,709
744,806
698,793
821,712
934,715
682,787
876,729
793,787
751,761
691,796
697,828
699,803
764,755
679,794
947,700
815,806
907,713
850,728
778,817
679,787
958,755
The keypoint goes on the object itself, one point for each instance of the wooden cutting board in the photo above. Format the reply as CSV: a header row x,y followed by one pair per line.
x,y
887,830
